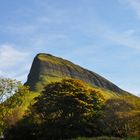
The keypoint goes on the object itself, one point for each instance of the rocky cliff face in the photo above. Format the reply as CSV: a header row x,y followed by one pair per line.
x,y
47,68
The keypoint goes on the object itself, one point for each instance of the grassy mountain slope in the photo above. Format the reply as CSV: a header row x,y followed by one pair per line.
x,y
47,68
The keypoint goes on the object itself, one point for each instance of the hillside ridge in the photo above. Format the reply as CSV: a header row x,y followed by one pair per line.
x,y
48,68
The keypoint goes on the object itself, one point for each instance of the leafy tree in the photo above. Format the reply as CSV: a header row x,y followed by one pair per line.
x,y
67,109
64,109
7,88
22,130
119,119
11,94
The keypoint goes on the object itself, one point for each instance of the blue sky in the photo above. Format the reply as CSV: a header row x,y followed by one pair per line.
x,y
100,35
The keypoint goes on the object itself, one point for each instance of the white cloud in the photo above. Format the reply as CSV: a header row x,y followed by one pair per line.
x,y
14,63
129,32
1,72
44,19
134,4
128,38
124,39
20,29
11,56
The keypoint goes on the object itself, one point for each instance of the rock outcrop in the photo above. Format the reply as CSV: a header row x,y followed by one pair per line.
x,y
47,68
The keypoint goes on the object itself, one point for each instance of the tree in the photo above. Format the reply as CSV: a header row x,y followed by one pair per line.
x,y
67,109
11,94
24,129
120,119
7,88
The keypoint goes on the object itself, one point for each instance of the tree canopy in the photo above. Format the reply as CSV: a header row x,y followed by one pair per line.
x,y
70,108
64,109
11,98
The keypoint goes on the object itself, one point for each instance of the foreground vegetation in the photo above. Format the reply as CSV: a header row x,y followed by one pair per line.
x,y
66,109
104,138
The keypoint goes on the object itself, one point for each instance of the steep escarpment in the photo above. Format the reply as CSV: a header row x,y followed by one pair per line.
x,y
47,68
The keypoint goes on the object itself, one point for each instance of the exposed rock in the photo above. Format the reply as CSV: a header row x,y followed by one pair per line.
x,y
47,68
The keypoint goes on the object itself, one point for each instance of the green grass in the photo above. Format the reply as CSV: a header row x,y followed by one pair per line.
x,y
28,99
98,138
59,61
105,138
132,138
56,75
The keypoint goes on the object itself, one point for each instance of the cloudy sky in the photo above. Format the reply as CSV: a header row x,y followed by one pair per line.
x,y
100,35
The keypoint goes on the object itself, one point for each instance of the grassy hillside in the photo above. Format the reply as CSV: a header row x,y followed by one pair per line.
x,y
120,106
119,117
124,107
48,68
28,99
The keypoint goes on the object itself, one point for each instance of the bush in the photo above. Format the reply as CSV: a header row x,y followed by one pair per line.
x,y
65,109
119,119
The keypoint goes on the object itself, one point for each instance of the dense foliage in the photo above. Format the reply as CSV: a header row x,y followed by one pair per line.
x,y
120,118
12,93
64,109
7,88
69,109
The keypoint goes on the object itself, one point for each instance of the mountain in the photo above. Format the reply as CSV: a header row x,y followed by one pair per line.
x,y
48,68
120,106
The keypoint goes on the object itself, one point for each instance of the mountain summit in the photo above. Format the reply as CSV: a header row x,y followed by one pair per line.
x,y
47,68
